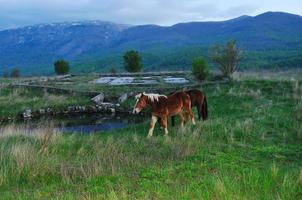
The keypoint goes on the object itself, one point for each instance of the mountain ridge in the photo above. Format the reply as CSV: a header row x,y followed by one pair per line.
x,y
34,48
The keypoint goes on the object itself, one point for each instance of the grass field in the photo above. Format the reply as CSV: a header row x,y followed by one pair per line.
x,y
250,148
13,101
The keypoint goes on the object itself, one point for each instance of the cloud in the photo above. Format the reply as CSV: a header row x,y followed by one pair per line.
x,y
15,13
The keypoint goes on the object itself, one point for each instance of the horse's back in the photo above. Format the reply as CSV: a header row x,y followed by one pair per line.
x,y
195,95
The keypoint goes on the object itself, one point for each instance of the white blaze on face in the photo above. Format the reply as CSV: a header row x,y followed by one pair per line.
x,y
136,110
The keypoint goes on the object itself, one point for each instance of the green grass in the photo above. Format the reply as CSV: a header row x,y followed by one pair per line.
x,y
250,148
13,101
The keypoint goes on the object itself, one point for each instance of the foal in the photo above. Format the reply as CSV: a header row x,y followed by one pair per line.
x,y
163,106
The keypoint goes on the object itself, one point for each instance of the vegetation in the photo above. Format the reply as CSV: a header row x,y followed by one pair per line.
x,y
15,73
226,57
61,67
15,100
250,148
200,68
132,61
113,70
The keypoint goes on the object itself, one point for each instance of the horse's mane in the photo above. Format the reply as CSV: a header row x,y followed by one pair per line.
x,y
151,97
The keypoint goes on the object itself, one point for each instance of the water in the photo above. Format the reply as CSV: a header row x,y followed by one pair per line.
x,y
85,123
147,80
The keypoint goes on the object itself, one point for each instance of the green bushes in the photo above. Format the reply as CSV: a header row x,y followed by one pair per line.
x,y
61,67
132,61
200,68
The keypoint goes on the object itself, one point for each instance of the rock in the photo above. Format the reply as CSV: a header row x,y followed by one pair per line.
x,y
41,111
98,99
123,98
26,113
71,108
107,105
91,109
49,111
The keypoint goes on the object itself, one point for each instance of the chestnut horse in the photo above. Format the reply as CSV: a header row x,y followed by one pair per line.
x,y
163,106
198,99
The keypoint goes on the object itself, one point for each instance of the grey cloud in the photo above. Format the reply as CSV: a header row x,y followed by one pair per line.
x,y
164,12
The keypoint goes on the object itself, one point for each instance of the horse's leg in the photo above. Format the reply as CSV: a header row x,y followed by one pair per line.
x,y
152,124
160,122
165,124
193,118
182,119
190,113
199,109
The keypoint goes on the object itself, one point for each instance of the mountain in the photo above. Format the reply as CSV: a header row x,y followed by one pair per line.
x,y
98,46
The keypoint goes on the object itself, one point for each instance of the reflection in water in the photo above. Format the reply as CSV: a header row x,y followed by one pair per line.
x,y
86,123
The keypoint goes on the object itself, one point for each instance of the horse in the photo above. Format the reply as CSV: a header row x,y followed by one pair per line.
x,y
163,106
198,99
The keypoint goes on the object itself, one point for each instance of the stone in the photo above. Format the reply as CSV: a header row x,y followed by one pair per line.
x,y
91,109
41,111
98,99
107,105
71,108
26,113
123,98
49,111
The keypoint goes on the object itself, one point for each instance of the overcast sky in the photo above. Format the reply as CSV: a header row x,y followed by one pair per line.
x,y
15,13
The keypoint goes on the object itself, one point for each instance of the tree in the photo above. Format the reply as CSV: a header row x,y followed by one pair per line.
x,y
15,73
132,61
200,68
227,57
61,67
113,70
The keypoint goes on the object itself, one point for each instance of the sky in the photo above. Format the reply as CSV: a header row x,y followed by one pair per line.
x,y
16,13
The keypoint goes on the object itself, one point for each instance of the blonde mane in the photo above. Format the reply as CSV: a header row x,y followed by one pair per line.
x,y
151,97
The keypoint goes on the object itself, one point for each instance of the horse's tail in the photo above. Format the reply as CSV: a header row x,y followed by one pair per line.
x,y
204,110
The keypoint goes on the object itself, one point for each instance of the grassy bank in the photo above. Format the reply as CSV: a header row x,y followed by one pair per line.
x,y
250,148
15,100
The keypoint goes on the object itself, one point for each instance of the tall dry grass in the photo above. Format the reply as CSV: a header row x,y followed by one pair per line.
x,y
31,153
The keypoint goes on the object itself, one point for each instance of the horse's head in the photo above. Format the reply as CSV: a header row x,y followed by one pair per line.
x,y
141,102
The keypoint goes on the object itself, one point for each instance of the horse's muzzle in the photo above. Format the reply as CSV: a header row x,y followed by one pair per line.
x,y
136,110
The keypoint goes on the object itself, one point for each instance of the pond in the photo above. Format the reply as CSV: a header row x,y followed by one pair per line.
x,y
85,123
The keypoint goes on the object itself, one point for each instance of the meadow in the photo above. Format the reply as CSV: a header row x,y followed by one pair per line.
x,y
250,148
14,101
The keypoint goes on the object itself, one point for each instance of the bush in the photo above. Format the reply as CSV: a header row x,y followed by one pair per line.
x,y
132,61
61,67
15,73
200,68
227,57
113,70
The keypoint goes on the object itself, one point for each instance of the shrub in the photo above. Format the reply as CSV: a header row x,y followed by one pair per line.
x,y
113,70
227,57
15,73
132,61
200,68
61,67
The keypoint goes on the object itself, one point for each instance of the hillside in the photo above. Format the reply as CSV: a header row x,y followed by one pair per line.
x,y
270,39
